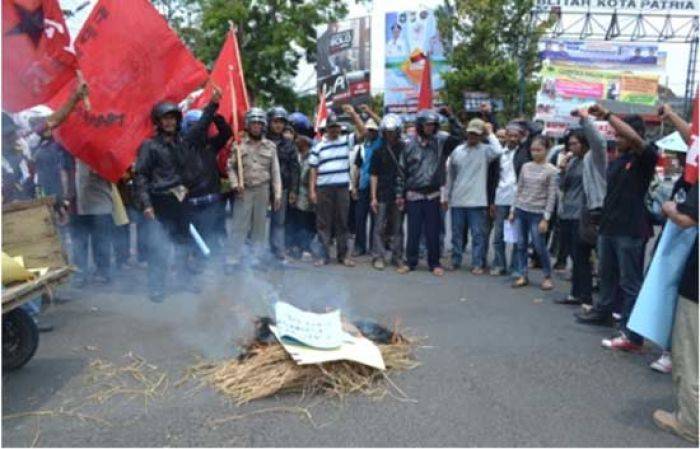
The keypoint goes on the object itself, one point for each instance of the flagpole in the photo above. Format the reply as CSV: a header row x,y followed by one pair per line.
x,y
234,117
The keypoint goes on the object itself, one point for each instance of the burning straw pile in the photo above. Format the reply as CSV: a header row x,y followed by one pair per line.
x,y
265,369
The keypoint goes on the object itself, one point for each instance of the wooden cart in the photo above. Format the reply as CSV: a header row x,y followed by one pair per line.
x,y
29,230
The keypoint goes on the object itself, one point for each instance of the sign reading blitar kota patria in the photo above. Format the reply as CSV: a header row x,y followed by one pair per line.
x,y
343,62
636,6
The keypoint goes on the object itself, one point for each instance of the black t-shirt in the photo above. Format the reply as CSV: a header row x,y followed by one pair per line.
x,y
384,165
628,181
689,282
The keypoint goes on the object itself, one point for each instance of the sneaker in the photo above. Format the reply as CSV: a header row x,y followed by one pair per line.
x,y
497,272
451,266
306,256
547,284
592,316
668,422
477,271
663,364
586,307
621,342
378,264
616,316
568,301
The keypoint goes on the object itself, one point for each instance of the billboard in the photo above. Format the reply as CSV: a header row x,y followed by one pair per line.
x,y
576,74
409,33
343,62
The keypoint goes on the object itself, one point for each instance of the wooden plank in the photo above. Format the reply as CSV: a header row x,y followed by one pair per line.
x,y
30,204
29,231
16,295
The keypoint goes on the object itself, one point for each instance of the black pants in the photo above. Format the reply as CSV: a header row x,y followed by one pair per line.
x,y
301,228
207,218
582,272
566,238
170,229
423,214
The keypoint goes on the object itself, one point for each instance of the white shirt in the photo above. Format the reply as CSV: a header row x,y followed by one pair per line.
x,y
396,49
507,182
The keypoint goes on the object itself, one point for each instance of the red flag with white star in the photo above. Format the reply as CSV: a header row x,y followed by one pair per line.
x,y
36,61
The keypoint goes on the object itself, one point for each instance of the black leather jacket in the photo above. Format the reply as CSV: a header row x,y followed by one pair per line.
x,y
162,165
289,162
422,164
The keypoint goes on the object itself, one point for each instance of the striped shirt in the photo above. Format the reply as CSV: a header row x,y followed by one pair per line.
x,y
331,159
537,189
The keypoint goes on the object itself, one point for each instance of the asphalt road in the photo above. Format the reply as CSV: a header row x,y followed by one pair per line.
x,y
499,367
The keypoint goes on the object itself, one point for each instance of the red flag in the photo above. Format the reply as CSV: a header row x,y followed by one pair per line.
x,y
131,60
321,113
36,62
228,76
425,95
691,160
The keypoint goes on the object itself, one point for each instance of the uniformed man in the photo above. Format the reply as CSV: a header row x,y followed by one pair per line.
x,y
261,173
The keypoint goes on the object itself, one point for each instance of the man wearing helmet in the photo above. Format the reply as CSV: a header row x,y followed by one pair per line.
x,y
420,177
261,173
384,169
289,172
163,174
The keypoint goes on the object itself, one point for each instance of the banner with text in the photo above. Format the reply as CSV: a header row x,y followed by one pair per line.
x,y
343,62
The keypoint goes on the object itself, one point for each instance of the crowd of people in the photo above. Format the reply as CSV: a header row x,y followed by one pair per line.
x,y
295,193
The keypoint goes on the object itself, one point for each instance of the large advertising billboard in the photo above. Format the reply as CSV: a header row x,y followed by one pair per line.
x,y
577,73
343,62
409,33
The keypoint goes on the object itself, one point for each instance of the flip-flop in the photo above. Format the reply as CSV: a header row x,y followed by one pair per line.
x,y
438,271
403,269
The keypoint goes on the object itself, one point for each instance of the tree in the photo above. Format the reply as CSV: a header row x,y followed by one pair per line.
x,y
494,41
273,36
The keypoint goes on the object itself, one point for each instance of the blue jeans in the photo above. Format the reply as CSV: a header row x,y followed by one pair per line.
x,y
621,263
423,216
361,213
475,219
527,225
277,220
499,245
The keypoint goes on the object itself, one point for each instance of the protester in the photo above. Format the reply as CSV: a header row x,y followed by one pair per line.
x,y
301,214
623,226
465,192
504,197
329,183
684,420
261,175
161,177
204,192
572,201
361,185
533,207
418,183
16,179
384,171
278,121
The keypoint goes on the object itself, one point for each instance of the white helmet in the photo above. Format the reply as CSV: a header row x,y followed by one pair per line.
x,y
391,122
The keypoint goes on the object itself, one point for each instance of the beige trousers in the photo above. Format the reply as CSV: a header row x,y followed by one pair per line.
x,y
250,216
684,352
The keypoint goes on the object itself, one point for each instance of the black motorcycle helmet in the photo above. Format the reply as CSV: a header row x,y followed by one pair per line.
x,y
277,112
425,117
163,108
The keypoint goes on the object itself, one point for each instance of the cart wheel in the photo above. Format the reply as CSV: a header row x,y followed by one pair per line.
x,y
20,338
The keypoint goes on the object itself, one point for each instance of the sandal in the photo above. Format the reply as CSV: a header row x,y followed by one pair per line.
x,y
477,271
438,271
348,262
320,263
520,282
403,269
547,284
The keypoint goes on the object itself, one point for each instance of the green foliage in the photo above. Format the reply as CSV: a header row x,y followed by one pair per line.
x,y
493,39
273,36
